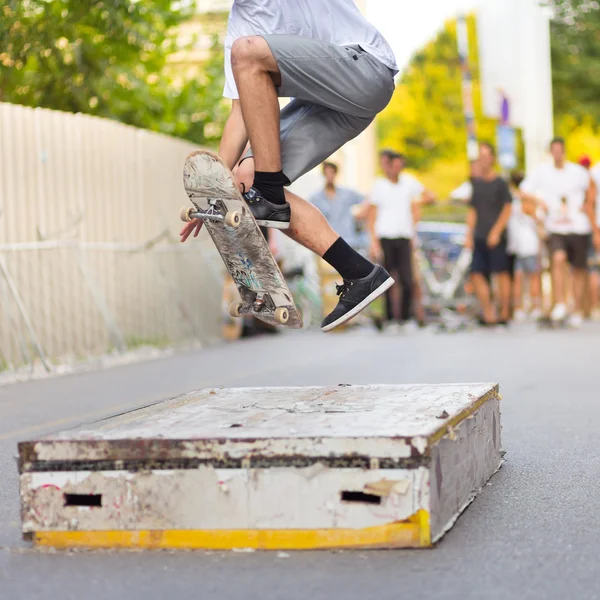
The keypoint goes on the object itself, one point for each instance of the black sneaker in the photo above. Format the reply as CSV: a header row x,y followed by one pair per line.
x,y
355,295
267,214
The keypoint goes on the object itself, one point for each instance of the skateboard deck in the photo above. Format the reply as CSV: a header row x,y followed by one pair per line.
x,y
216,200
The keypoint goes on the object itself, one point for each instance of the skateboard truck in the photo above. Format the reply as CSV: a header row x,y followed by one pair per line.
x,y
232,218
281,314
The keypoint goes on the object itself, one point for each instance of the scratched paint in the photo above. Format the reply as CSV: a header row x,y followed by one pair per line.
x,y
218,499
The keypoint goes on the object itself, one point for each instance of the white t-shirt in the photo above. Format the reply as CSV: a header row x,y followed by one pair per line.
x,y
595,174
338,22
563,191
393,201
523,238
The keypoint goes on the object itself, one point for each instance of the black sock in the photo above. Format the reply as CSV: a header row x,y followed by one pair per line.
x,y
347,261
270,185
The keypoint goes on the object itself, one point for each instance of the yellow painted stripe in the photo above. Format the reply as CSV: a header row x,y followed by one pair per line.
x,y
411,534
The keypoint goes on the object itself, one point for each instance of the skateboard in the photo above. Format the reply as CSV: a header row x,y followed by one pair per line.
x,y
216,200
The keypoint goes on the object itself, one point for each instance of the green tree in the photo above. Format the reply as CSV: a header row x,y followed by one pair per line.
x,y
575,48
110,59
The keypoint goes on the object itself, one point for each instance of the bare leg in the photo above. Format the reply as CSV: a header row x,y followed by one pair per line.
x,y
579,278
308,226
559,260
418,307
594,289
535,289
482,291
504,289
518,290
256,75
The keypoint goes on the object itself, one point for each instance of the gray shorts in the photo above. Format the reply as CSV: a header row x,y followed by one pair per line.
x,y
336,92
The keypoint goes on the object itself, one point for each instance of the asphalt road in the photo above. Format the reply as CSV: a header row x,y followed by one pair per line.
x,y
533,533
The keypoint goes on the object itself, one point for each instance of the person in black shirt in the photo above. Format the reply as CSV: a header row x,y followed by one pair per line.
x,y
489,212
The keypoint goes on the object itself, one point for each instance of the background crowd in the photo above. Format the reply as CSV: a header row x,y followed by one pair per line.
x,y
532,238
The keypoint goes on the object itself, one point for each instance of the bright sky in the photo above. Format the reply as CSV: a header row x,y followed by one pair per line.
x,y
409,24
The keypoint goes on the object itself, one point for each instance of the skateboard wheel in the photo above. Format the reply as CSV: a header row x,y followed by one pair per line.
x,y
233,219
235,309
184,213
282,315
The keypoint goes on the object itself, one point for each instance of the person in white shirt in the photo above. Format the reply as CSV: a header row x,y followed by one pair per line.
x,y
567,199
525,243
595,250
391,226
339,72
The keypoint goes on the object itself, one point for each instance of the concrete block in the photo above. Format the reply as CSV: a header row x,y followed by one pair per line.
x,y
268,468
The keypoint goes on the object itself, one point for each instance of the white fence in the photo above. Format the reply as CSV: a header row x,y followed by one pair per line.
x,y
90,260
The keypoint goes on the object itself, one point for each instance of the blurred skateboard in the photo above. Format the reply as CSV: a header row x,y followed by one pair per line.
x,y
216,200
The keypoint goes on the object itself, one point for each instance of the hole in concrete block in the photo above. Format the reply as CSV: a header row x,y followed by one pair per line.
x,y
83,499
360,497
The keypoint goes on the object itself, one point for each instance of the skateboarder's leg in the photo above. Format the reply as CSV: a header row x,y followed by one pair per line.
x,y
257,76
363,281
308,226
344,79
337,92
309,134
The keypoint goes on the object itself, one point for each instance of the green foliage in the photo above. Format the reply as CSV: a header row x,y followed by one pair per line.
x,y
110,59
575,48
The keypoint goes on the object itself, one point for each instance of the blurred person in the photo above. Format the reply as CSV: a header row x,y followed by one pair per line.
x,y
487,220
523,231
290,49
338,204
591,289
595,250
417,299
391,226
564,191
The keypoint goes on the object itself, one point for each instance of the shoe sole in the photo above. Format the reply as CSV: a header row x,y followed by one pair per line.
x,y
386,285
274,224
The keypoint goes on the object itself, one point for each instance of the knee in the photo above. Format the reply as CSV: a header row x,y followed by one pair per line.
x,y
247,50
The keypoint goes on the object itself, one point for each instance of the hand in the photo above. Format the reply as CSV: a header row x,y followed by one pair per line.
x,y
195,224
596,240
469,244
493,239
375,250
